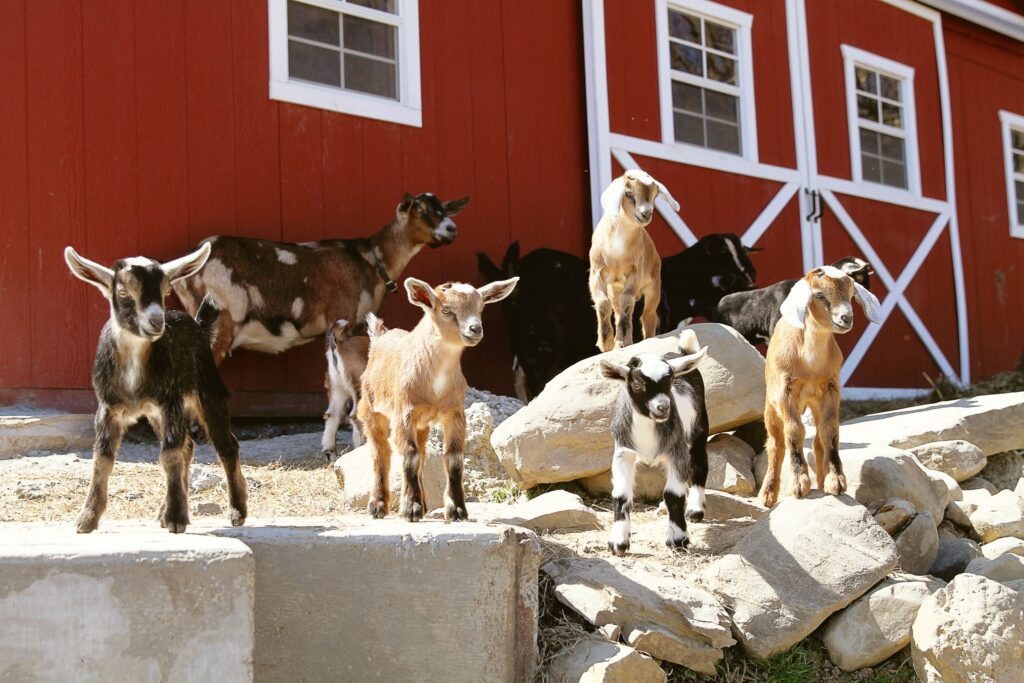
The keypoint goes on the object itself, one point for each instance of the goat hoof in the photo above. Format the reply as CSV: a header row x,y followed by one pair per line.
x,y
678,542
329,454
835,484
455,513
618,549
377,508
412,512
87,522
694,515
176,527
767,498
237,517
801,486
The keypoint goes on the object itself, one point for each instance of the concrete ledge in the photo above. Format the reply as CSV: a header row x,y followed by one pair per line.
x,y
22,434
362,599
132,603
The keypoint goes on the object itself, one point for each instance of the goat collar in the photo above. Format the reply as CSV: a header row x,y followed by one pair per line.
x,y
389,284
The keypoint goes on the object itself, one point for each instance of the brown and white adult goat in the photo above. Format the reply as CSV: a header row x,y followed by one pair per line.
x,y
624,263
278,295
802,371
414,379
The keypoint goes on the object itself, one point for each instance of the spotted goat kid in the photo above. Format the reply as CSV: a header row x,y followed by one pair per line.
x,y
156,363
660,418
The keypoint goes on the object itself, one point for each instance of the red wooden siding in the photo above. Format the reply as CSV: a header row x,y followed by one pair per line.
x,y
144,127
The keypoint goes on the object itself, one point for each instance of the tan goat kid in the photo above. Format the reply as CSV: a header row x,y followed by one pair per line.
x,y
802,371
414,379
624,263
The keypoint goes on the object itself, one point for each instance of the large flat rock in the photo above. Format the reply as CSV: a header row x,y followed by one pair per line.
x,y
565,432
800,563
128,603
993,423
359,599
21,434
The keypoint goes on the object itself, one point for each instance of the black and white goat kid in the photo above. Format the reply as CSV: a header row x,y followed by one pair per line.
x,y
156,363
660,417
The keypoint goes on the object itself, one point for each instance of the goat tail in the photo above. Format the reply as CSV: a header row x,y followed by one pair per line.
x,y
374,327
688,343
207,316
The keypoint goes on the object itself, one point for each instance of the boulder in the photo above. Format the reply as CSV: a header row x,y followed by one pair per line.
x,y
22,434
204,478
953,556
595,660
945,486
803,561
1006,567
979,484
561,510
722,506
999,516
648,483
1005,469
1001,546
354,471
958,513
917,544
659,614
993,423
564,433
972,498
892,514
971,630
959,459
877,624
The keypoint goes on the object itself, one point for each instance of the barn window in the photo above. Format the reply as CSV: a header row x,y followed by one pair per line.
x,y
1013,155
357,57
880,108
707,83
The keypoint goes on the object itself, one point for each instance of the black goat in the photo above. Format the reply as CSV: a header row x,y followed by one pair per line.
x,y
157,363
754,313
550,316
661,418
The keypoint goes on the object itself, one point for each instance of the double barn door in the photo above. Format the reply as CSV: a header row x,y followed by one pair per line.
x,y
815,129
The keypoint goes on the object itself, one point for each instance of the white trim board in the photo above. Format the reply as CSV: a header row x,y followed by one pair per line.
x,y
881,393
1009,122
984,14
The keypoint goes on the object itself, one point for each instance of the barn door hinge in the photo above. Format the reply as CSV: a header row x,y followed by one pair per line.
x,y
814,198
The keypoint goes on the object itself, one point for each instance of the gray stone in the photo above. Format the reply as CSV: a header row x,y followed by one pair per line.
x,y
1005,469
553,510
598,661
917,544
1000,546
803,561
565,432
659,614
892,514
959,459
993,423
1006,567
959,512
953,556
354,471
130,603
945,486
204,479
206,509
971,630
724,506
28,431
979,484
877,625
999,516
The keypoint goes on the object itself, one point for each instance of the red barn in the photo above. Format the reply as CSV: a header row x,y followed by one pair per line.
x,y
888,129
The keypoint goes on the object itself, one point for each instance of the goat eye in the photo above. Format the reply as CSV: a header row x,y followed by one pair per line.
x,y
122,292
446,310
629,194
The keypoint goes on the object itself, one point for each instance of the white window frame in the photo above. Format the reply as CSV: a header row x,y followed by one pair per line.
x,y
741,22
407,110
852,58
1009,122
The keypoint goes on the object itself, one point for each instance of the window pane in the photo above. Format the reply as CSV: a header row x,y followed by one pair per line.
x,y
720,106
868,141
686,58
892,147
722,69
689,129
684,26
1020,190
866,80
370,76
867,108
382,5
892,115
312,23
720,37
370,37
870,168
890,88
686,97
723,136
1018,163
1017,138
1020,213
894,173
312,63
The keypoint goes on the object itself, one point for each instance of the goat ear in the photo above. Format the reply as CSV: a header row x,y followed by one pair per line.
x,y
496,291
510,264
405,204
187,265
869,302
487,267
794,308
455,206
663,191
611,198
100,277
420,293
753,250
614,371
684,364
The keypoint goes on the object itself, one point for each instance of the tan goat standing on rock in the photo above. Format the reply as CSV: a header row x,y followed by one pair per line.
x,y
801,371
624,263
414,379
